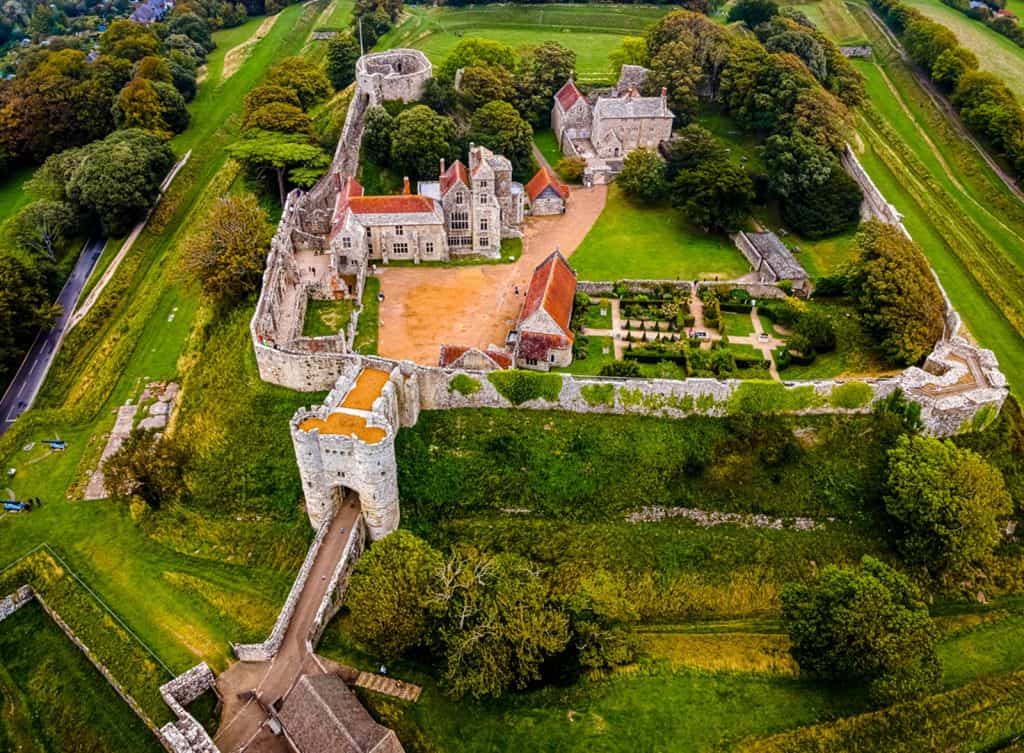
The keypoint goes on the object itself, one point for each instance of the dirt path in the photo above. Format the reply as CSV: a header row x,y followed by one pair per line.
x,y
237,55
424,307
241,720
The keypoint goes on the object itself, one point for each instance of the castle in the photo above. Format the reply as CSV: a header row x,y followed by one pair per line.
x,y
603,128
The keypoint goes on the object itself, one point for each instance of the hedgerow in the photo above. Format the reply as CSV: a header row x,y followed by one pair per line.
x,y
598,394
519,387
465,385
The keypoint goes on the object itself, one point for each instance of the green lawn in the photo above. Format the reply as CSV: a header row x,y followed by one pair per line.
x,y
589,30
12,193
369,319
54,700
833,18
996,53
593,317
854,355
595,357
548,145
824,256
636,242
326,318
737,325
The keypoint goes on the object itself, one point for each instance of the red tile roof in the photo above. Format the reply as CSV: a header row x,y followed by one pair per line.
x,y
568,95
353,187
403,204
544,179
552,288
452,353
452,175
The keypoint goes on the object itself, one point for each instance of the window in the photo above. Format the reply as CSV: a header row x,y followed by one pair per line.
x,y
346,242
483,224
485,241
400,249
429,247
552,358
531,361
460,241
459,197
483,195
399,230
460,221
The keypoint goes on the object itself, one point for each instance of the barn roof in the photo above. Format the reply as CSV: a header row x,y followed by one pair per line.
x,y
545,179
568,94
552,289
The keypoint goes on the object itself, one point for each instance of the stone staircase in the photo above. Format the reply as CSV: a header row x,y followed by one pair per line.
x,y
406,691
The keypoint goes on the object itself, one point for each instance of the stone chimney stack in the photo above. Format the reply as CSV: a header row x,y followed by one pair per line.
x,y
442,166
664,92
406,188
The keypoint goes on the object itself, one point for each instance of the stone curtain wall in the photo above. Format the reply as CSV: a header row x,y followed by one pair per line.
x,y
875,205
15,601
645,287
268,649
187,735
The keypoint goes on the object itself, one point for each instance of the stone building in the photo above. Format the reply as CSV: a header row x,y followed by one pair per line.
x,y
772,260
321,715
474,359
604,127
547,194
543,338
400,74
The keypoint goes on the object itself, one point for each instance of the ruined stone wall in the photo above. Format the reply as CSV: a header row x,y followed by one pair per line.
x,y
187,735
15,601
875,206
398,74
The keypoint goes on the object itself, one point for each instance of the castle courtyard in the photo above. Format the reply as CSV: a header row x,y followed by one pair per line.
x,y
426,306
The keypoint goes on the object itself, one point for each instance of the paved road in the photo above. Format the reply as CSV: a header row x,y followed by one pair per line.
x,y
26,383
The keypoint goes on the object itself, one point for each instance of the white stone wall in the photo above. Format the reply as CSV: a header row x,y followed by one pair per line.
x,y
399,74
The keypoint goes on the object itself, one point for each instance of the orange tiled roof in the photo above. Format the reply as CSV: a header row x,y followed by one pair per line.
x,y
403,204
452,353
552,288
545,179
568,95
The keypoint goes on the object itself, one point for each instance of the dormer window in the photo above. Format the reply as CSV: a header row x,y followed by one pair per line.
x,y
399,230
459,197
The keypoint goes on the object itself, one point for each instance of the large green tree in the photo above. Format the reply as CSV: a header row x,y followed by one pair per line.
x,y
543,69
948,503
24,308
868,625
643,176
305,78
228,251
498,624
146,467
389,594
421,138
43,226
674,69
475,51
282,155
482,83
342,54
498,126
897,293
714,194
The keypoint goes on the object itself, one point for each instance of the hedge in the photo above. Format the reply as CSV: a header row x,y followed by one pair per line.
x,y
464,385
773,397
851,395
598,394
519,387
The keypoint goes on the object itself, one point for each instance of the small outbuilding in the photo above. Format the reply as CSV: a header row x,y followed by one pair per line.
x,y
548,195
543,338
474,359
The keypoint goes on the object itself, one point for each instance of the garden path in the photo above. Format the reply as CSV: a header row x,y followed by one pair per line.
x,y
475,306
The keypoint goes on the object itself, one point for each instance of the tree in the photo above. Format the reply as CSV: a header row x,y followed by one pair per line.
x,y
277,116
482,83
600,611
475,51
388,595
194,27
147,467
307,80
129,40
227,253
868,625
421,138
714,194
342,54
175,111
692,146
571,168
118,179
925,41
795,165
542,71
632,51
948,503
673,69
279,153
643,176
43,225
830,209
497,623
154,69
816,329
896,293
377,131
24,308
264,95
498,126
621,369
951,65
822,118
139,106
753,12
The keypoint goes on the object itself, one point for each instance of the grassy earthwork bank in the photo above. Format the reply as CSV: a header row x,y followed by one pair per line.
x,y
714,672
589,30
652,243
192,578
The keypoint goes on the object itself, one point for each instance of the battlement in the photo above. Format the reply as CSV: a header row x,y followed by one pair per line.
x,y
399,74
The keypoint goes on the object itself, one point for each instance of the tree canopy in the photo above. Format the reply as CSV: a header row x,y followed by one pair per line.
x,y
498,126
421,138
643,176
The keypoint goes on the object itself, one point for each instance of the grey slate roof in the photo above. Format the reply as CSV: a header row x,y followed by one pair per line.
x,y
321,715
779,258
631,107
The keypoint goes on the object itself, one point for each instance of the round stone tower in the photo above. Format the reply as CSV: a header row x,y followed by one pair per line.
x,y
399,74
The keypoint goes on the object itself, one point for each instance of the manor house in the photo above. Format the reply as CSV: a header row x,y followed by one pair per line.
x,y
466,212
604,127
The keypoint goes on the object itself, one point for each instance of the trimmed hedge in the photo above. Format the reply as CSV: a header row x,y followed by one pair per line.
x,y
464,385
519,387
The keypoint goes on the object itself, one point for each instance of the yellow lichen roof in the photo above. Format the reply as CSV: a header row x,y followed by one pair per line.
x,y
367,388
345,423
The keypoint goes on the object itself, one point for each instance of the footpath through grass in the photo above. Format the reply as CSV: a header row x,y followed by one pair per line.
x,y
638,242
592,31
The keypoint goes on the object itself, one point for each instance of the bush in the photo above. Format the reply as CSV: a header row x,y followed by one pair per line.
x,y
571,169
598,394
519,387
851,395
464,384
773,397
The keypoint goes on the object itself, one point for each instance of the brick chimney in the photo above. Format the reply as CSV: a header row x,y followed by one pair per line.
x,y
406,189
442,166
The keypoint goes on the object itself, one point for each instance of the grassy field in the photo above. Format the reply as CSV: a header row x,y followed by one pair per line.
x,y
548,145
326,318
54,700
12,193
631,241
591,31
833,18
996,53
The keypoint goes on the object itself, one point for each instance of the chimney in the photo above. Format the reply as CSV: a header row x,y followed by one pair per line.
x,y
664,92
405,186
442,166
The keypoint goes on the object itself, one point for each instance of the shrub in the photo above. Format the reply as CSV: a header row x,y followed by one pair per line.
x,y
851,395
598,394
519,387
464,384
571,169
621,368
772,397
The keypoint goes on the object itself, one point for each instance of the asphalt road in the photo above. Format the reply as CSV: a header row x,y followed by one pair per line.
x,y
26,383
